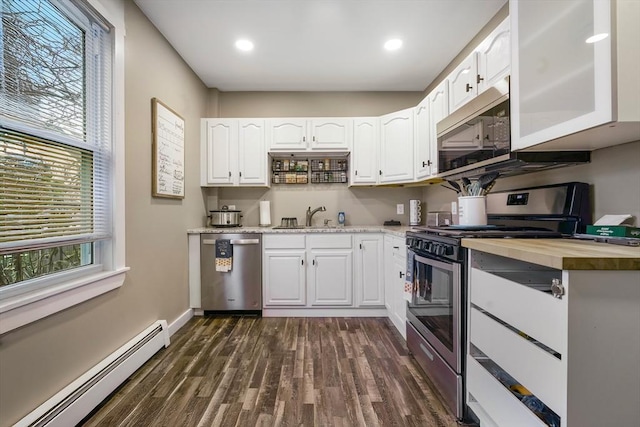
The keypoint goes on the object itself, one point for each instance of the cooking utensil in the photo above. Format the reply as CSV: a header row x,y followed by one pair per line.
x,y
487,179
455,185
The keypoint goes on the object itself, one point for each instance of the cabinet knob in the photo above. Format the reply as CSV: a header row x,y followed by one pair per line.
x,y
478,79
229,174
302,261
313,138
240,173
557,290
313,262
380,172
424,164
356,173
429,163
304,139
401,274
469,87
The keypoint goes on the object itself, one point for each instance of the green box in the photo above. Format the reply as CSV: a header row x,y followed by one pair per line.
x,y
613,230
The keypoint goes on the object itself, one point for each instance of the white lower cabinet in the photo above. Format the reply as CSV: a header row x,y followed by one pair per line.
x,y
330,277
369,270
284,277
576,354
395,252
308,270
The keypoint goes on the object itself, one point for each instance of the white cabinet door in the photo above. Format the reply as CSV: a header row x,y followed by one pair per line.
x,y
396,147
332,134
422,140
438,110
494,57
369,274
221,153
389,296
284,277
462,83
559,83
287,134
252,154
399,303
330,277
364,155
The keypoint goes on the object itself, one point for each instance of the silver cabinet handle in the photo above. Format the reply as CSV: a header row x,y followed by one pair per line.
x,y
233,242
427,352
557,290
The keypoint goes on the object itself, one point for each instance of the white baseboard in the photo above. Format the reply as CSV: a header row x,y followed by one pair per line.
x,y
180,321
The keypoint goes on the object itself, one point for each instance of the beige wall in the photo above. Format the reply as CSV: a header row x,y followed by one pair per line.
x,y
38,360
314,104
614,176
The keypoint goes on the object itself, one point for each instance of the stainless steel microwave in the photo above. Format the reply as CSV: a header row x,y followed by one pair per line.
x,y
477,134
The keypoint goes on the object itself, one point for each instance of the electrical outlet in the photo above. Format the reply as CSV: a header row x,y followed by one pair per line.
x,y
400,209
232,207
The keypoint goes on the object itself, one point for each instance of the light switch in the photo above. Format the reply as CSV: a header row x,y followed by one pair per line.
x,y
400,209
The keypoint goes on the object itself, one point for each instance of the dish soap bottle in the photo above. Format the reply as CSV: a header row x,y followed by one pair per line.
x,y
341,219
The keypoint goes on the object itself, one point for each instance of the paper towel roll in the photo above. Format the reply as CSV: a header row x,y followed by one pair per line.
x,y
265,212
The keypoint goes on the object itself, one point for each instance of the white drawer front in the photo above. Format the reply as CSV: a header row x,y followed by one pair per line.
x,y
283,241
539,315
498,402
329,241
534,368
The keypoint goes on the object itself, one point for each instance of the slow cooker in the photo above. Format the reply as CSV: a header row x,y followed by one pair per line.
x,y
224,217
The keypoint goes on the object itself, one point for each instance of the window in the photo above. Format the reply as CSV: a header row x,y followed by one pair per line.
x,y
56,144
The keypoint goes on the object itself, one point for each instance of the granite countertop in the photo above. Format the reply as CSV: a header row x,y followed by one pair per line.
x,y
396,231
563,254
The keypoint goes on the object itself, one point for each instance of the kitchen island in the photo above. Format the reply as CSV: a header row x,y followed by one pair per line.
x,y
557,318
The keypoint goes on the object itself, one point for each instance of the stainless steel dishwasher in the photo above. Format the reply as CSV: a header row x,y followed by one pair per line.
x,y
239,289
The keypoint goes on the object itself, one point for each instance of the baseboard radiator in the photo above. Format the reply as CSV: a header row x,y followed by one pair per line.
x,y
78,399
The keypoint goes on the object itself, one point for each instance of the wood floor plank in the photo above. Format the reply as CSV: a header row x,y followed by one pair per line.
x,y
247,371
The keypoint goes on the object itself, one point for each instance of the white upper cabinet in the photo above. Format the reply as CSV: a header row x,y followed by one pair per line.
x,y
438,110
462,83
252,152
364,156
233,153
332,134
494,57
422,140
287,134
396,147
562,83
317,134
218,153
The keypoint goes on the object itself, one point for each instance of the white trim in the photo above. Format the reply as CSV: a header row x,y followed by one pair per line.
x,y
28,308
325,312
180,322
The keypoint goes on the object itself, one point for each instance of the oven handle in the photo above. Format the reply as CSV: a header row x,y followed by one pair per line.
x,y
429,261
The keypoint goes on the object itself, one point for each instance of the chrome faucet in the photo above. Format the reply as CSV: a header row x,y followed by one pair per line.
x,y
310,214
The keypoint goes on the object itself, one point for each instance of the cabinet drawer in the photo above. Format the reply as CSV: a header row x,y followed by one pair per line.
x,y
329,241
537,314
536,369
283,241
498,402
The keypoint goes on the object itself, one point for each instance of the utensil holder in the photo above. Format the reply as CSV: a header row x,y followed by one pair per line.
x,y
472,210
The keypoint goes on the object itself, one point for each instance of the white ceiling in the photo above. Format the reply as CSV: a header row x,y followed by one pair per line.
x,y
319,45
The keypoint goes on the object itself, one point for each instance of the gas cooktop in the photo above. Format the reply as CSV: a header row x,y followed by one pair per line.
x,y
487,231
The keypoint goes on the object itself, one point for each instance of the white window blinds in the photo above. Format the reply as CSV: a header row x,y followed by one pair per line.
x,y
55,126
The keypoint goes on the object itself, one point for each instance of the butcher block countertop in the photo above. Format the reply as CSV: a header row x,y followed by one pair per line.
x,y
563,254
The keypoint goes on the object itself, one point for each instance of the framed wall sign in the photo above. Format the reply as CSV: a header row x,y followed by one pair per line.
x,y
168,151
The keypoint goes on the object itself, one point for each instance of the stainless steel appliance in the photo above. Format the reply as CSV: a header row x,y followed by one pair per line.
x,y
476,139
224,217
437,267
240,288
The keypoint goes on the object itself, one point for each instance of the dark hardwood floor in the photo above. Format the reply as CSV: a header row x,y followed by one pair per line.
x,y
244,371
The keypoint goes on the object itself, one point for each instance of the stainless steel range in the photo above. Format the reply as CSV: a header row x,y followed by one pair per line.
x,y
437,269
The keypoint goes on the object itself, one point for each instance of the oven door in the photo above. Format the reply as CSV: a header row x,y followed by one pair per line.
x,y
435,306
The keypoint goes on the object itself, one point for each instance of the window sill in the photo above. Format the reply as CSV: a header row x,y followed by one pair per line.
x,y
24,309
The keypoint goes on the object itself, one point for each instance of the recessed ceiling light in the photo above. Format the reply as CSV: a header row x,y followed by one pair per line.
x,y
597,38
393,44
244,45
